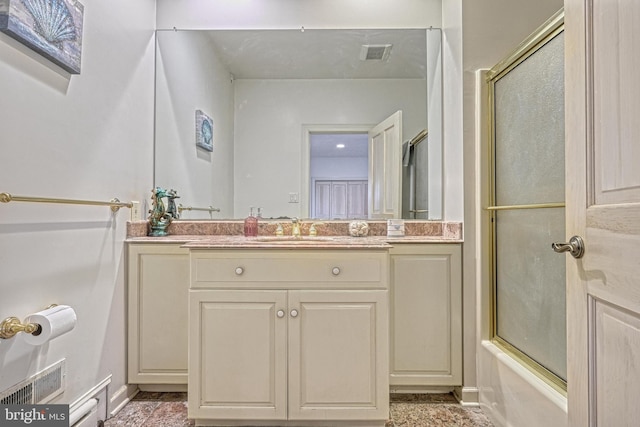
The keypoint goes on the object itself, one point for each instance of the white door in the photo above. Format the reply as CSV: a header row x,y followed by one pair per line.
x,y
322,203
603,206
385,173
357,199
340,200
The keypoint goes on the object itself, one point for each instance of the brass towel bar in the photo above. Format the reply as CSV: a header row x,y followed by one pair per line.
x,y
190,208
418,138
115,204
534,206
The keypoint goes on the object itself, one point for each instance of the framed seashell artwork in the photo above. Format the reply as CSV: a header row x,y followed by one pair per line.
x,y
52,28
204,131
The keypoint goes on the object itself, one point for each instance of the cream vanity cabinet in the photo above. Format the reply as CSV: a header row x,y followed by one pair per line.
x,y
158,295
426,316
288,337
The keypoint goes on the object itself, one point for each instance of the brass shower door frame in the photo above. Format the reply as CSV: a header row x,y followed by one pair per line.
x,y
544,34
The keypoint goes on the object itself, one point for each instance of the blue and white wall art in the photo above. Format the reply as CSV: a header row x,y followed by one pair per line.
x,y
204,131
52,28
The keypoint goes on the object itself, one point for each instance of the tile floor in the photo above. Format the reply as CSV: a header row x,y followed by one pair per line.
x,y
407,410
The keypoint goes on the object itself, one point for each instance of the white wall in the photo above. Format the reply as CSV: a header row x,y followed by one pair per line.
x,y
190,77
491,30
87,136
339,168
452,158
269,116
283,14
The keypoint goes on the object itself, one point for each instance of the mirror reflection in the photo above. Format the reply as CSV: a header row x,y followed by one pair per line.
x,y
292,114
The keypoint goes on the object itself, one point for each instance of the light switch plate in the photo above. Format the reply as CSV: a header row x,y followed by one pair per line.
x,y
135,211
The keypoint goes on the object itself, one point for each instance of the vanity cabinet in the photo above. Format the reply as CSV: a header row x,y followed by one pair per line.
x,y
426,316
158,294
289,337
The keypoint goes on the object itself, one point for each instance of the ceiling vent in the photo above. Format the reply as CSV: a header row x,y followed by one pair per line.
x,y
375,52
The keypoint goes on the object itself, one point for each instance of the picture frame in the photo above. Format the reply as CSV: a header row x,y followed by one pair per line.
x,y
51,28
204,131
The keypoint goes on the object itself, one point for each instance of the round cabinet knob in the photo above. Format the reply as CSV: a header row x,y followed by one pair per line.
x,y
239,271
280,314
335,271
294,313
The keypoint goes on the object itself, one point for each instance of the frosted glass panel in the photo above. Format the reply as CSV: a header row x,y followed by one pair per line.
x,y
529,129
531,310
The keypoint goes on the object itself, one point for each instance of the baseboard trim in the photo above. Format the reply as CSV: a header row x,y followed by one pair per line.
x,y
420,389
176,388
121,397
467,396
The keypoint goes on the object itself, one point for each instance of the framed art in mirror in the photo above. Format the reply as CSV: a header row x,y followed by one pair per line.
x,y
204,131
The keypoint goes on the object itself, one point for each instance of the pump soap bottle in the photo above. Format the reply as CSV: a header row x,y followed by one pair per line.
x,y
251,225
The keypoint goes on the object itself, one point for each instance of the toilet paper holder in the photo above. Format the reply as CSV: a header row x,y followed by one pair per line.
x,y
10,326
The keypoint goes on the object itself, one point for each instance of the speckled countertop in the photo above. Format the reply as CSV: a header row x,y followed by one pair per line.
x,y
331,235
334,242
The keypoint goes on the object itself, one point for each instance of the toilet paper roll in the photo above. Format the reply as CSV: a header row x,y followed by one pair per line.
x,y
53,321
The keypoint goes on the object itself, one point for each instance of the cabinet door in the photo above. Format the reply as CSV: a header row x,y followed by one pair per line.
x,y
426,315
338,362
237,364
158,284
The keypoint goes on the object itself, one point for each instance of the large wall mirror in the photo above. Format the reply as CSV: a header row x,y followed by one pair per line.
x,y
290,112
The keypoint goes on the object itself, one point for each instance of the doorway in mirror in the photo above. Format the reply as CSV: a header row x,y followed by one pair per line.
x,y
338,174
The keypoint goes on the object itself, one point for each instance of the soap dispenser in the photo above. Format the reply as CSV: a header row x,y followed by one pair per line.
x,y
251,225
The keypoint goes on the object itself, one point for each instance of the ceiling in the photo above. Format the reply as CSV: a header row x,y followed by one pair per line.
x,y
320,54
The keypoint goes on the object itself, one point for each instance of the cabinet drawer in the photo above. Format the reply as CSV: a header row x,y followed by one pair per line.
x,y
284,269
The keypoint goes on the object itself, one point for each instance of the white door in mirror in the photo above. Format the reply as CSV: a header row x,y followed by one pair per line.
x,y
385,173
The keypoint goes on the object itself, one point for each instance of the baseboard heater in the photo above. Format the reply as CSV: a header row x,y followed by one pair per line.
x,y
86,415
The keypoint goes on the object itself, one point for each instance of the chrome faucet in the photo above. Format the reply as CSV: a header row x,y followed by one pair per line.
x,y
295,227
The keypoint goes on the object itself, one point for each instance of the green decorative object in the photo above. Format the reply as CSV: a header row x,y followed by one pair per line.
x,y
159,219
172,195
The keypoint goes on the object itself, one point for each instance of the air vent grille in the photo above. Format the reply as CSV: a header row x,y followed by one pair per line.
x,y
377,52
40,388
21,396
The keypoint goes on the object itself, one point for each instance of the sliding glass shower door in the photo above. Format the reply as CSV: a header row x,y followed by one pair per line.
x,y
527,206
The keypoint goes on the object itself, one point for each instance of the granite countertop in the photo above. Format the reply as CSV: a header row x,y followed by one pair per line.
x,y
287,242
331,234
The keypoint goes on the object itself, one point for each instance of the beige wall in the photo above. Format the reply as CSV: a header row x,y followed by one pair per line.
x,y
87,136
